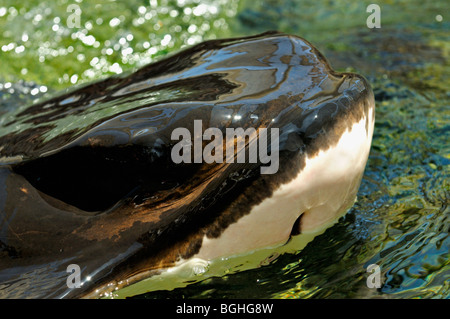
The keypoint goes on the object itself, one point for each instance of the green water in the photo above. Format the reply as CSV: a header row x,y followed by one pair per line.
x,y
401,219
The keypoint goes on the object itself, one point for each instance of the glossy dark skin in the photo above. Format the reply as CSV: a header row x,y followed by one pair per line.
x,y
105,194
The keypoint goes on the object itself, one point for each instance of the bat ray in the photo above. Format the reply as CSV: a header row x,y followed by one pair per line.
x,y
87,176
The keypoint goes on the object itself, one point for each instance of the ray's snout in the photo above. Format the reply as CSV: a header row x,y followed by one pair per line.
x,y
329,161
334,172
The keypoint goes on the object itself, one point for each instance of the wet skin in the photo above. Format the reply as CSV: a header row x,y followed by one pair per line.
x,y
87,177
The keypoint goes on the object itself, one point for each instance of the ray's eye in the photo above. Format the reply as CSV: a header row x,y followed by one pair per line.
x,y
87,178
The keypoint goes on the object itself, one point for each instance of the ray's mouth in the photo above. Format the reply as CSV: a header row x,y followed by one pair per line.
x,y
297,227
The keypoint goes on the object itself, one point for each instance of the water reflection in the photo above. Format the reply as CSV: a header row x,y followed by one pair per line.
x,y
92,39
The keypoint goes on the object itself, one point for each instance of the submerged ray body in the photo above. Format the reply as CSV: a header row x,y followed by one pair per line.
x,y
88,178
